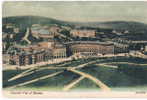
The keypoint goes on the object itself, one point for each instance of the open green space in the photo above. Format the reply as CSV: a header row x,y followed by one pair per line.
x,y
126,77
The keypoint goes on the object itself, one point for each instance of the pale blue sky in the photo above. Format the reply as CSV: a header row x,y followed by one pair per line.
x,y
80,11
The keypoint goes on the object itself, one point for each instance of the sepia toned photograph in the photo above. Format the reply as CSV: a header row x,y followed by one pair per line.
x,y
73,49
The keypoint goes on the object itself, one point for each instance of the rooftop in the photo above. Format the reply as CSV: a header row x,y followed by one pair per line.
x,y
44,31
89,42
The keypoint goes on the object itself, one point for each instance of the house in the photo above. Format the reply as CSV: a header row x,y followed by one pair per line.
x,y
16,30
47,44
83,33
54,29
121,47
32,54
59,51
145,48
4,46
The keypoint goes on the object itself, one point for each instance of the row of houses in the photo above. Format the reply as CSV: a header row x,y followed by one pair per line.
x,y
45,51
32,54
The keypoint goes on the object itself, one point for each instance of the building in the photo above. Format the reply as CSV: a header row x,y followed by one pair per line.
x,y
145,48
41,31
59,51
32,54
10,25
45,51
16,30
45,33
23,59
54,29
83,33
28,56
90,48
47,44
121,47
5,58
4,46
35,29
66,28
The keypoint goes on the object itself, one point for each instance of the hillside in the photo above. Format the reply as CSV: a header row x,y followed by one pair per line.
x,y
26,21
122,25
138,31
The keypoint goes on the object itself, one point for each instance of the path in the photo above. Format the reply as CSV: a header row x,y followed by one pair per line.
x,y
25,73
68,87
26,36
50,67
37,79
72,84
125,63
95,80
106,65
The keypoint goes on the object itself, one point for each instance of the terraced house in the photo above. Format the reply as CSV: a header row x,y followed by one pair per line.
x,y
45,51
36,53
30,55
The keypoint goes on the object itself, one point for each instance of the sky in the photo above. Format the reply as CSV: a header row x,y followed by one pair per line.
x,y
79,11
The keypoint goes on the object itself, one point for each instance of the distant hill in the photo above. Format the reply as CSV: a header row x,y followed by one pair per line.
x,y
26,21
122,25
118,25
137,30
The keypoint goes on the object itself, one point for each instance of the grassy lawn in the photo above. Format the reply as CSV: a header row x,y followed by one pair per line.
x,y
126,77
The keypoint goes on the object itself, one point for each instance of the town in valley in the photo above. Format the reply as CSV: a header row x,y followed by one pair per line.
x,y
77,46
65,42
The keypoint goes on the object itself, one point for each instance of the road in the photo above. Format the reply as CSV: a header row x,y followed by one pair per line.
x,y
54,61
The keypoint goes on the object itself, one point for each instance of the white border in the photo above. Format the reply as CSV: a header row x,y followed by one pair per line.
x,y
4,98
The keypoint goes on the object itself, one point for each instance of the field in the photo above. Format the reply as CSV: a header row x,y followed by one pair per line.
x,y
95,74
